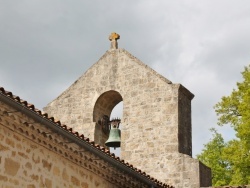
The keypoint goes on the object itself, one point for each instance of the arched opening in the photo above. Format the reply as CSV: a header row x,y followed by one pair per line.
x,y
105,104
101,114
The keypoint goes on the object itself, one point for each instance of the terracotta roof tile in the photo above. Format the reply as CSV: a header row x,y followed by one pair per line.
x,y
76,134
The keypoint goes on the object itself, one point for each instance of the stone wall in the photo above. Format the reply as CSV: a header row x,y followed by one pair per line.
x,y
156,121
205,175
184,121
25,163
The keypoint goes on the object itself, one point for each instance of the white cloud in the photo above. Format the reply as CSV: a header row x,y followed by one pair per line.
x,y
45,46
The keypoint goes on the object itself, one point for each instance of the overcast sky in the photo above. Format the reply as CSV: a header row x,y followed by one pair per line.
x,y
204,45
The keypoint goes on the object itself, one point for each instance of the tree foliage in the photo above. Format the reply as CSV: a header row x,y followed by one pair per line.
x,y
212,157
230,162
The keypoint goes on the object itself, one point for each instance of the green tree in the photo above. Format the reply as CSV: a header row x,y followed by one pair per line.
x,y
235,111
212,157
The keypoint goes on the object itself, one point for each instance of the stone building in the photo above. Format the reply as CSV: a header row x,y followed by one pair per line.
x,y
38,151
156,133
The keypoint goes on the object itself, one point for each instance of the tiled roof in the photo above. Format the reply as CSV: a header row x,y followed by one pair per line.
x,y
70,131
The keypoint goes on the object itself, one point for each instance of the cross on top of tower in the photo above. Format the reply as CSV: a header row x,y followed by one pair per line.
x,y
113,37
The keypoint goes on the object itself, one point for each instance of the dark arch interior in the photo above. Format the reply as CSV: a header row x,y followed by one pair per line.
x,y
105,104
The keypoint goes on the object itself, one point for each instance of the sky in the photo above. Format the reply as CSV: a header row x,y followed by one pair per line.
x,y
204,45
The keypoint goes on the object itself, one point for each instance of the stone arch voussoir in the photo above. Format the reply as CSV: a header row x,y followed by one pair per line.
x,y
105,104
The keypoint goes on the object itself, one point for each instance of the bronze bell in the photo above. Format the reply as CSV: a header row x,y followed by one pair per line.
x,y
114,140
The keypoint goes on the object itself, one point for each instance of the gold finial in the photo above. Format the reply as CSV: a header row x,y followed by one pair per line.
x,y
113,37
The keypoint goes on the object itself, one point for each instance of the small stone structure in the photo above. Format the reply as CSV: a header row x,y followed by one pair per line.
x,y
156,122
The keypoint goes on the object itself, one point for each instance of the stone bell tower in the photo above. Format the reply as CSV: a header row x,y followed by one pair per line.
x,y
156,134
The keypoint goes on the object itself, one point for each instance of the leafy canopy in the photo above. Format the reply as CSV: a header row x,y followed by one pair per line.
x,y
211,156
230,162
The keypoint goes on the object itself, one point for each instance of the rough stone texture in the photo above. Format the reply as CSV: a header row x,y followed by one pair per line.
x,y
156,121
34,156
